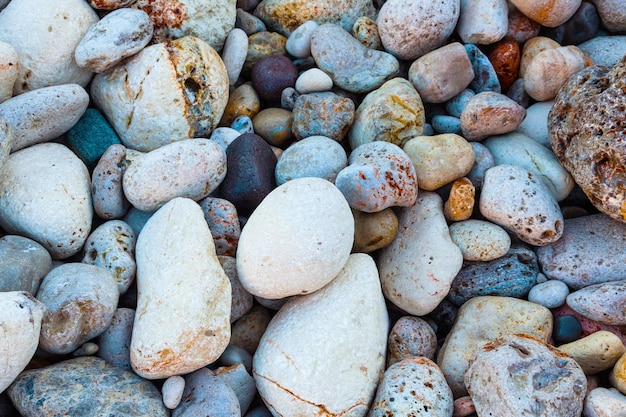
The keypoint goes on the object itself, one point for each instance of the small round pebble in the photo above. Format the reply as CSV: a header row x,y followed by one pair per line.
x,y
566,329
172,391
480,240
314,156
87,349
233,355
313,80
373,231
460,203
234,54
274,125
410,336
271,75
550,294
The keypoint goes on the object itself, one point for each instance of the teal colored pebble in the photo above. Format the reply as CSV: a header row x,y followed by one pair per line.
x,y
136,219
566,329
485,78
91,136
446,124
456,104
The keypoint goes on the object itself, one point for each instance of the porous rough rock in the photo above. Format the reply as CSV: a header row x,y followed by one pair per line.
x,y
293,365
604,302
409,337
483,22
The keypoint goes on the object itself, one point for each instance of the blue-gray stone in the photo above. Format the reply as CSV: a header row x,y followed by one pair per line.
x,y
91,136
456,104
485,77
207,395
136,219
446,124
566,329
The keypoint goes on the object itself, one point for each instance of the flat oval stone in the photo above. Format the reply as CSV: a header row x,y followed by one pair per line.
x,y
379,175
351,311
44,114
595,353
550,69
60,217
547,12
312,232
112,391
299,42
120,34
415,383
601,302
351,65
410,29
550,294
480,240
489,114
172,391
485,77
601,402
234,54
191,168
154,98
314,156
107,191
373,231
221,216
45,47
207,394
483,22
410,336
417,284
392,113
178,271
23,264
523,376
460,203
114,342
516,199
80,300
604,50
325,113
9,63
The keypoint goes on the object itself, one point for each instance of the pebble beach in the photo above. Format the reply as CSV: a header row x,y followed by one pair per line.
x,y
293,208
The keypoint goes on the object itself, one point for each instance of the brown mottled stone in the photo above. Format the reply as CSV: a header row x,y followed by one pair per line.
x,y
460,203
373,231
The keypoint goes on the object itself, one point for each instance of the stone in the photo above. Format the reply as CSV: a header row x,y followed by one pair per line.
x,y
137,219
153,98
480,240
9,64
550,294
550,69
261,45
44,114
535,124
120,34
178,278
412,385
172,391
114,342
584,125
604,50
460,203
249,23
483,160
314,156
410,336
589,326
603,402
351,312
21,315
603,302
521,375
392,113
418,267
60,217
112,246
566,329
518,94
612,14
442,123
112,391
373,231
442,73
207,395
521,27
235,355
243,124
456,104
271,75
191,168
241,300
379,175
110,4
312,233
351,65
617,377
107,192
490,114
285,16
548,13
326,114
234,54
240,381
595,353
23,264
589,252
411,29
91,136
224,136
299,41
274,125
532,48
45,46
243,101
365,30
313,80
439,159
221,216
507,315
248,330
6,140
485,77
518,200
505,58
582,26
80,300
482,22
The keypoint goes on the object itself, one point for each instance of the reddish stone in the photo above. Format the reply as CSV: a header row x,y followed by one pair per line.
x,y
505,59
590,326
521,27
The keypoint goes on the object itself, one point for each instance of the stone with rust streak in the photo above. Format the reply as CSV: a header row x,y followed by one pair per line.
x,y
505,58
549,13
460,203
587,134
322,114
179,280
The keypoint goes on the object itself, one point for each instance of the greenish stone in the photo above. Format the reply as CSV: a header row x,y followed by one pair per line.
x,y
91,136
567,329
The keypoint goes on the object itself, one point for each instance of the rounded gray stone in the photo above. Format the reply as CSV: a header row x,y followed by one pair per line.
x,y
314,156
23,264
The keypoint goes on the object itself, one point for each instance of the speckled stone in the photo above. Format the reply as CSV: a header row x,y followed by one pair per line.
x,y
9,63
601,302
595,353
373,231
603,402
107,192
234,54
550,294
535,124
365,30
582,26
249,23
410,336
313,80
243,101
23,264
248,330
585,127
241,300
480,240
531,48
604,50
260,45
299,41
521,27
205,394
489,114
483,22
460,203
61,388
456,104
314,156
547,12
114,342
221,216
485,77
326,114
612,14
617,377
505,58
442,123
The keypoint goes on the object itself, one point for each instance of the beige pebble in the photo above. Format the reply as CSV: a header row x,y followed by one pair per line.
x,y
597,352
549,70
234,54
172,391
548,13
463,406
460,203
243,101
480,240
8,70
373,231
274,125
617,377
531,48
313,80
365,31
247,331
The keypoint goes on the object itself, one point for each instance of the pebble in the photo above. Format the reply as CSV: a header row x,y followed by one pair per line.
x,y
221,216
235,355
520,375
107,192
154,99
249,24
108,390
224,136
595,353
470,331
365,30
483,160
585,125
442,73
533,47
90,137
373,231
410,29
241,300
489,114
590,252
480,240
612,14
243,101
44,114
326,114
261,45
550,69
42,62
350,312
550,294
566,329
299,42
582,26
274,125
535,124
505,58
243,124
313,80
240,381
351,65
521,27
137,219
617,377
9,63
250,176
439,159
114,342
603,402
412,385
518,200
80,300
392,113
21,315
410,336
110,4
604,50
518,94
234,54
446,124
195,293
87,349
483,22
172,391
379,175
59,221
422,230
314,156
247,331
120,34
601,302
520,150
23,264
271,75
460,203
485,77
547,12
207,395
590,326
456,104
313,231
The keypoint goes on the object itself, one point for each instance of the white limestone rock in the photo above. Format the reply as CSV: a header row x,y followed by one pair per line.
x,y
9,65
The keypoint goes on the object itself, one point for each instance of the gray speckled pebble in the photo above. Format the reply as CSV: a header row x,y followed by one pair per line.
x,y
23,264
605,50
241,300
550,294
221,216
314,156
207,395
410,336
114,342
109,201
299,42
602,302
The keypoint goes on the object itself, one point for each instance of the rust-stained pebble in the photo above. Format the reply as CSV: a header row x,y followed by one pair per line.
x,y
488,114
505,58
460,203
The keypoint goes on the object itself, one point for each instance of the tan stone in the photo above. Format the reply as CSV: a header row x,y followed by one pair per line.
x,y
460,203
373,231
243,101
597,352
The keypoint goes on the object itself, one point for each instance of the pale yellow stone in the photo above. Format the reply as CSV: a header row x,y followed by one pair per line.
x,y
617,377
597,352
243,101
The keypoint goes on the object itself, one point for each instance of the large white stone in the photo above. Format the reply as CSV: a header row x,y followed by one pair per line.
x,y
182,322
323,353
45,195
418,267
296,241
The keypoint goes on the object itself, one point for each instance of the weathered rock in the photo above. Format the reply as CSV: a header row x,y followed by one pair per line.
x,y
480,240
248,330
114,342
603,402
410,336
483,22
604,50
460,203
595,353
207,395
373,231
107,191
550,69
604,302
23,264
326,114
221,216
299,41
612,14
